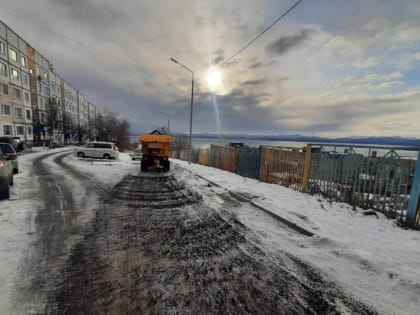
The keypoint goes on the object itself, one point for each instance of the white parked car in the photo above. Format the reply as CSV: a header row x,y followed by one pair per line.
x,y
106,150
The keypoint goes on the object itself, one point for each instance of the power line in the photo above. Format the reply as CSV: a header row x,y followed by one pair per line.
x,y
259,35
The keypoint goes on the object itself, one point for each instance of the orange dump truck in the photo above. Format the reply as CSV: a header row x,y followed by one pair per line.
x,y
155,151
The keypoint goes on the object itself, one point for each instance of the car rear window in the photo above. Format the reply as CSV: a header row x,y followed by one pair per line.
x,y
7,148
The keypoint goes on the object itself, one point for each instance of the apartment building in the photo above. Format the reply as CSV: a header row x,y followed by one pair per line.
x,y
36,104
16,109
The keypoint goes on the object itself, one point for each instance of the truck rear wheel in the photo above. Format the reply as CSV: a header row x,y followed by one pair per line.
x,y
143,167
167,167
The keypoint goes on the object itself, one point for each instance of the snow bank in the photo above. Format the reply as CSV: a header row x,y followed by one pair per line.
x,y
107,172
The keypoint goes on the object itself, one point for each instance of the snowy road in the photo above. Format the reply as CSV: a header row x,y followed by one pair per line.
x,y
157,249
100,237
58,225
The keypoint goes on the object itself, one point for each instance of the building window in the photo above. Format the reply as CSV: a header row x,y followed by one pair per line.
x,y
3,69
25,79
23,61
13,54
40,87
2,48
4,89
18,112
14,74
46,75
26,95
5,110
7,130
29,131
17,93
28,114
37,72
19,130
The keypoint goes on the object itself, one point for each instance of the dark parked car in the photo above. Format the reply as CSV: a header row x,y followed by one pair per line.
x,y
6,176
11,155
17,144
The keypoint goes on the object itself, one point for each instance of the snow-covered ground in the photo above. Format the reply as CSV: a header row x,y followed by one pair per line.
x,y
370,257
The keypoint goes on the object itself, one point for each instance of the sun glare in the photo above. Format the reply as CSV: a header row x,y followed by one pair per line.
x,y
214,79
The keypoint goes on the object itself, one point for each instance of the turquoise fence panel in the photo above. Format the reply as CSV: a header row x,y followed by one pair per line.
x,y
195,155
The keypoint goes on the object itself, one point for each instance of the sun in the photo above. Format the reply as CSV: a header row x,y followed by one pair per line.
x,y
214,79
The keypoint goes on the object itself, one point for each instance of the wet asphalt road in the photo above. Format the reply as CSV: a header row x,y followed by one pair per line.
x,y
154,247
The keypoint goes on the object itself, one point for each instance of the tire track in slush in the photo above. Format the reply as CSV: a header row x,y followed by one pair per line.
x,y
146,255
54,223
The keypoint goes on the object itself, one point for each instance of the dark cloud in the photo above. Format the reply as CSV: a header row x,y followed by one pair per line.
x,y
219,56
286,43
257,64
231,63
217,60
254,82
93,12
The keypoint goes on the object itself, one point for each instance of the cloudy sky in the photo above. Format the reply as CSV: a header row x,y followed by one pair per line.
x,y
330,68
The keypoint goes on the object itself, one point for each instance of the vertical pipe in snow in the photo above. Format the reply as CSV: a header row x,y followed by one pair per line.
x,y
413,205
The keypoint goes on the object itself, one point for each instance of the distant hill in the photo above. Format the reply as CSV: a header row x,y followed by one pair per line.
x,y
396,141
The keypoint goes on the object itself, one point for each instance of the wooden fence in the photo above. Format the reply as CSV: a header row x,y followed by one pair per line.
x,y
286,166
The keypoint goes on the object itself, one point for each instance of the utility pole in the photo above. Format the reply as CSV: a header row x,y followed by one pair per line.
x,y
191,107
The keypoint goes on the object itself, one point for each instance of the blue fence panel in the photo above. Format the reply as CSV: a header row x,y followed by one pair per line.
x,y
248,162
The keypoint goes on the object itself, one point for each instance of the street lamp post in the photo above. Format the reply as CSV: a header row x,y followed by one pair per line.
x,y
191,107
169,120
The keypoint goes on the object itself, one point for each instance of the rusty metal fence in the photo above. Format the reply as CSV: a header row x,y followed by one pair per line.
x,y
203,156
223,157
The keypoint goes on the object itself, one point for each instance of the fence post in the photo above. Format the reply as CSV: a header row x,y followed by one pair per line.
x,y
414,204
307,167
260,151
